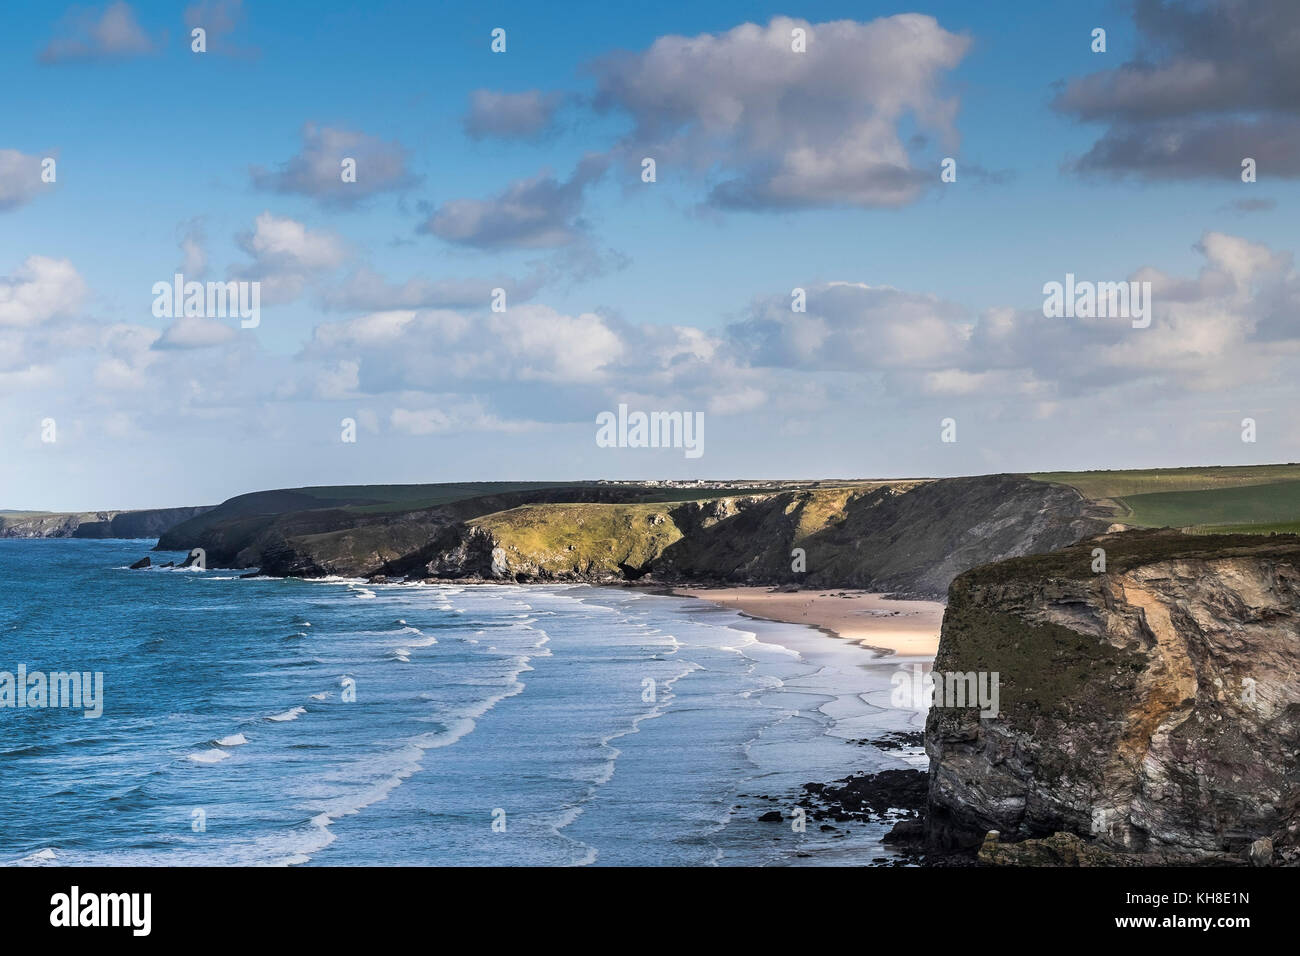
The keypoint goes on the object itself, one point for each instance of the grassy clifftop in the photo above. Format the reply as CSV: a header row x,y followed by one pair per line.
x,y
1250,499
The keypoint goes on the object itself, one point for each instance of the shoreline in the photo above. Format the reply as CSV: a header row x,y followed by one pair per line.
x,y
884,625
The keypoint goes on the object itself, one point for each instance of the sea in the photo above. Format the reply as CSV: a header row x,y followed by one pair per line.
x,y
270,721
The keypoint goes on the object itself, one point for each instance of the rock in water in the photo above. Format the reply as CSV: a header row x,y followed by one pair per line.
x,y
1261,852
142,563
1150,709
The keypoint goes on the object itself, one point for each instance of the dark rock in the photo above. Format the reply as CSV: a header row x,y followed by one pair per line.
x,y
866,795
142,563
906,831
772,816
899,740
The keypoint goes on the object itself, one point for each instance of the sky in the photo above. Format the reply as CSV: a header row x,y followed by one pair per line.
x,y
795,147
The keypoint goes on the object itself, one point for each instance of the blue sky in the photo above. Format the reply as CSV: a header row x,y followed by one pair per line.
x,y
665,295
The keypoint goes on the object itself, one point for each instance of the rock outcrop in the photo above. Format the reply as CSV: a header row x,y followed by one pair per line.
x,y
1151,708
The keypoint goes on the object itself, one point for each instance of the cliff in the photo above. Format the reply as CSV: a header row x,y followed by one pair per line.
x,y
148,523
909,537
1150,710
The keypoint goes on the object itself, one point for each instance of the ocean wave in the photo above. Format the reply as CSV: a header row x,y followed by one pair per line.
x,y
44,857
210,756
291,714
233,740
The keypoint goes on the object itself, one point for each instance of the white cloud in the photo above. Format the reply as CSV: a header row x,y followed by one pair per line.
x,y
316,171
86,34
41,289
817,128
540,212
286,254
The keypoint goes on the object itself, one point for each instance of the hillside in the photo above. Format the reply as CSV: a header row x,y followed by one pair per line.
x,y
908,536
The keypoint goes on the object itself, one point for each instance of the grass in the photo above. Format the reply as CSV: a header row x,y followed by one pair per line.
x,y
1249,499
1280,527
562,537
1248,505
1122,484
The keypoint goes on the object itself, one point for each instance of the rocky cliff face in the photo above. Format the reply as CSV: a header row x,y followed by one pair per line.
x,y
907,538
148,523
1151,708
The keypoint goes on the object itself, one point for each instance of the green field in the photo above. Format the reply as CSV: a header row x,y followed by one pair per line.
x,y
1100,485
1250,499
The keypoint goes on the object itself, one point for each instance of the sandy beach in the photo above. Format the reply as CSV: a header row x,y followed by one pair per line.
x,y
906,628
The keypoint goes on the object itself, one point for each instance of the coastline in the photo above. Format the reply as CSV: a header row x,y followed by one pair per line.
x,y
866,802
887,626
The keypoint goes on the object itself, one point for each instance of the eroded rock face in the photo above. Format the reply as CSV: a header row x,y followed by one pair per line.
x,y
1152,708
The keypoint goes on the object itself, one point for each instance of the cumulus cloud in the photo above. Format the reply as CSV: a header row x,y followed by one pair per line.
x,y
286,254
1211,83
527,343
317,169
20,179
540,212
1224,332
91,34
788,129
852,326
41,289
1230,325
534,363
497,115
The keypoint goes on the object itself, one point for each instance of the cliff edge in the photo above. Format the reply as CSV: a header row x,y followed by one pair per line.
x,y
1150,709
